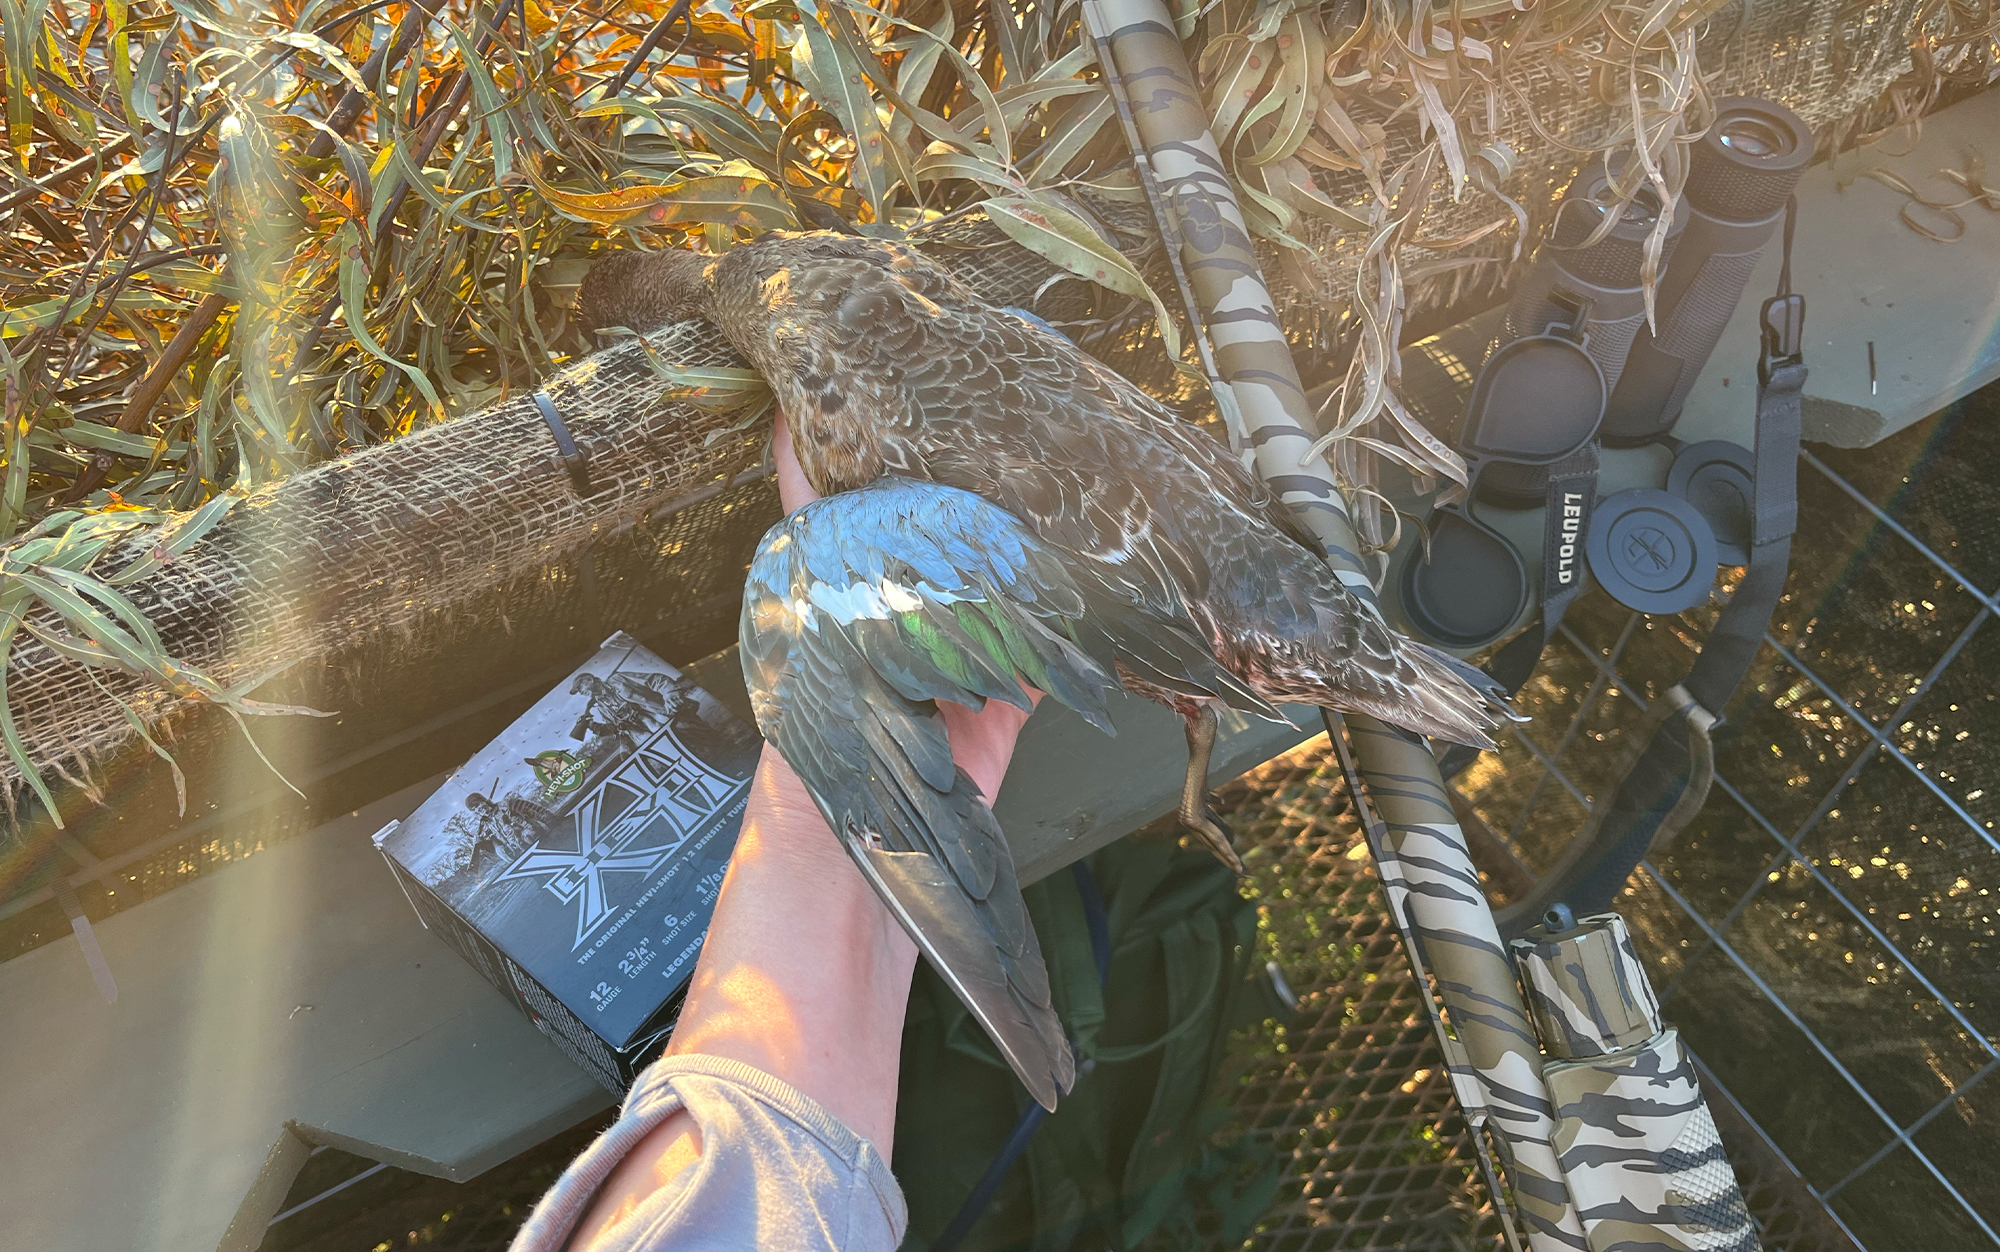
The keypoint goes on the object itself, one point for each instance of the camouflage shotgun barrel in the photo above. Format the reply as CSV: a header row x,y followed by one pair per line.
x,y
1421,853
1636,1140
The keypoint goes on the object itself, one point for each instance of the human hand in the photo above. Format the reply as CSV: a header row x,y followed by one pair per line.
x,y
791,874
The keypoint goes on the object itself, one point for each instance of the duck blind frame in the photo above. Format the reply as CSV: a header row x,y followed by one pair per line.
x,y
1402,218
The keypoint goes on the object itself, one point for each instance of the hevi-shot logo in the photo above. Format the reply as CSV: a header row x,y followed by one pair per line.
x,y
631,824
559,771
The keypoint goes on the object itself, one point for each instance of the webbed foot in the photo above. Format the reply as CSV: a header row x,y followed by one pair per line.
x,y
1206,827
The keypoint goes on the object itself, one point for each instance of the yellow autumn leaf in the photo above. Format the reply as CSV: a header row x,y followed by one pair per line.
x,y
736,198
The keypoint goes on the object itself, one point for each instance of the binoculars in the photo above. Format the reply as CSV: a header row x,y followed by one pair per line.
x,y
1577,369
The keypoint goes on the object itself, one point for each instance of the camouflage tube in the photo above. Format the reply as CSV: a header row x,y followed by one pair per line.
x,y
1430,880
1421,852
1637,1143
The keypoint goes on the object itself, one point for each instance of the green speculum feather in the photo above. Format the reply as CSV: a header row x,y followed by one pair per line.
x,y
935,646
1021,655
989,630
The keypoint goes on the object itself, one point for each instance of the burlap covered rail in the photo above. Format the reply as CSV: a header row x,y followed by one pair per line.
x,y
368,561
418,571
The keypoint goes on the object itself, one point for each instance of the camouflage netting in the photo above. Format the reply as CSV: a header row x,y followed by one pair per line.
x,y
397,551
390,582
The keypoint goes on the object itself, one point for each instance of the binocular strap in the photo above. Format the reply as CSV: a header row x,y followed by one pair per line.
x,y
1568,499
1666,783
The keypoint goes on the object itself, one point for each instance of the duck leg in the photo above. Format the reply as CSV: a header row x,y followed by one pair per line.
x,y
1196,814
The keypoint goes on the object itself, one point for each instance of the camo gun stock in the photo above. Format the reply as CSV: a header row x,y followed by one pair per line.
x,y
1420,852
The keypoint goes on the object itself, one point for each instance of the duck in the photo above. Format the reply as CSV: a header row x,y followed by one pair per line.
x,y
1000,511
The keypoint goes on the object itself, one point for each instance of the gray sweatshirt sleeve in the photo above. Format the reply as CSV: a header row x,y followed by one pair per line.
x,y
776,1171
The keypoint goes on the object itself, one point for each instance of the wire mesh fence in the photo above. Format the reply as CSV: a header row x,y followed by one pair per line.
x,y
1351,1090
1823,934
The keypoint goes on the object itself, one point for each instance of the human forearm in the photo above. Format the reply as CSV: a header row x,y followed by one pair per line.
x,y
806,975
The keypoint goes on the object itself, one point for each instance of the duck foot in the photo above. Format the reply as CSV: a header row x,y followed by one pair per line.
x,y
1200,818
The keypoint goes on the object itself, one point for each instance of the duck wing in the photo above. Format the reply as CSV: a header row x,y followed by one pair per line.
x,y
861,611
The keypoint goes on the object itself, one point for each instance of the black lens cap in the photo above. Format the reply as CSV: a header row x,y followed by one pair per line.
x,y
1471,589
1717,477
1536,400
1651,550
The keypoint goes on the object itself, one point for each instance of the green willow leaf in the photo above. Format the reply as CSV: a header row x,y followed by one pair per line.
x,y
1302,60
490,107
405,172
743,197
1039,222
623,106
1017,102
354,303
305,41
837,80
968,75
12,612
913,76
726,128
138,725
1236,85
1069,138
82,651
20,24
861,55
149,81
92,621
943,162
176,537
111,439
1291,181
1002,25
122,609
23,318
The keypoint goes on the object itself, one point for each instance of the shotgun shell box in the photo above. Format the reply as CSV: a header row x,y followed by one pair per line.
x,y
575,861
